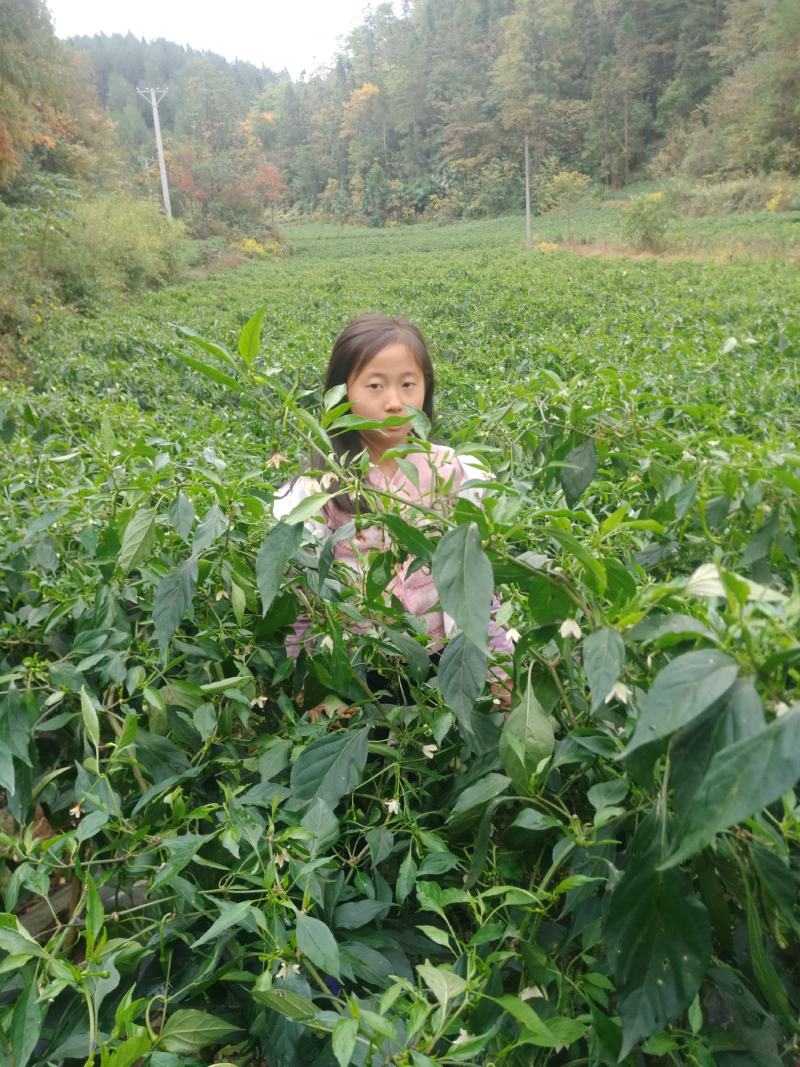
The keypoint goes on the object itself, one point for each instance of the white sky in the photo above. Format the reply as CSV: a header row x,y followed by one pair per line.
x,y
296,34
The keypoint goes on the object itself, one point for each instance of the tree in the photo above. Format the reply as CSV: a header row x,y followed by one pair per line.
x,y
28,66
564,191
209,106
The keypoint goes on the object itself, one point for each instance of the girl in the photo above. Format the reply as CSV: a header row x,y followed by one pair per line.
x,y
384,364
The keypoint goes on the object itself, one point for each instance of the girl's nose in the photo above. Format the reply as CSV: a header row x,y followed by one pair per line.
x,y
393,402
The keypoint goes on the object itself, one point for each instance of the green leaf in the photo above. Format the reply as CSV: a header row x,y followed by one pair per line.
x,y
330,767
315,940
419,1059
26,1021
526,740
275,551
430,897
358,422
211,347
436,934
566,1031
658,940
313,427
130,728
208,371
579,551
461,677
8,778
250,337
91,724
406,877
682,691
463,578
418,661
581,469
274,759
334,397
357,913
181,515
603,659
659,1045
286,1002
547,600
769,981
232,915
657,627
130,1051
343,1040
94,912
692,751
438,863
742,779
766,974
408,537
748,1026
15,939
238,602
528,829
320,821
182,850
138,539
474,798
187,1030
535,1031
695,1015
173,600
444,985
90,824
604,794
213,525
204,718
308,508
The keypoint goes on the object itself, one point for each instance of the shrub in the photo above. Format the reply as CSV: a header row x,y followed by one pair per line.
x,y
117,245
21,289
495,189
442,209
34,220
334,202
273,247
764,192
647,220
564,191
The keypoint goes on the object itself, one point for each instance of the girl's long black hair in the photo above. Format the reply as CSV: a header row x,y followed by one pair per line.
x,y
360,340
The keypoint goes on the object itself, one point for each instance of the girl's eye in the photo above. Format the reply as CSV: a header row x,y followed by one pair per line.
x,y
374,385
409,385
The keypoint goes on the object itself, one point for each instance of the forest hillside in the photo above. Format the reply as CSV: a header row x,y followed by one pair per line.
x,y
431,106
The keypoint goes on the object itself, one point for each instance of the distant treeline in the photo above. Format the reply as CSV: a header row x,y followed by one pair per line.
x,y
425,110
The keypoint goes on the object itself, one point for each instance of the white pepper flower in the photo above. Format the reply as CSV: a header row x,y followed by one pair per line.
x,y
570,628
620,692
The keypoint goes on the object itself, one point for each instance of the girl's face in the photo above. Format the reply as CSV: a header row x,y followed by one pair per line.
x,y
386,385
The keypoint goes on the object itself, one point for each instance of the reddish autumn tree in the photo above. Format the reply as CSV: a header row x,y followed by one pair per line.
x,y
270,185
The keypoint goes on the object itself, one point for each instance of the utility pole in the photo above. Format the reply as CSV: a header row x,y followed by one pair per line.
x,y
150,94
528,234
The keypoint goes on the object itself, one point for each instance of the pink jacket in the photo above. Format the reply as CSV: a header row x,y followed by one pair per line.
x,y
441,476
